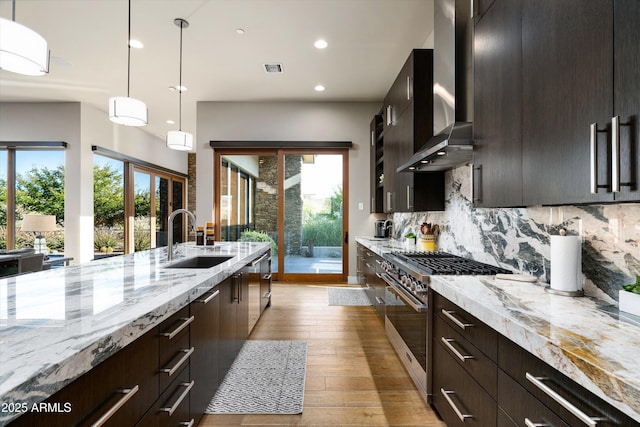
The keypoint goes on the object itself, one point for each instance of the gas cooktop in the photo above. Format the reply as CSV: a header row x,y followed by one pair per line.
x,y
423,264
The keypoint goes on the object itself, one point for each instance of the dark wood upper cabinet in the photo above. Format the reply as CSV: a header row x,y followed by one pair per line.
x,y
407,125
567,75
626,97
498,107
576,62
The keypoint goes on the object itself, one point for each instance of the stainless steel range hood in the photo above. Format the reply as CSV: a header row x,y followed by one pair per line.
x,y
452,143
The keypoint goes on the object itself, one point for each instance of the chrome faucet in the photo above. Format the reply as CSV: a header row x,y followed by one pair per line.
x,y
170,246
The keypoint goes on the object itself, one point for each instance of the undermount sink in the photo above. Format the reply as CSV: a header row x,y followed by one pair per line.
x,y
200,262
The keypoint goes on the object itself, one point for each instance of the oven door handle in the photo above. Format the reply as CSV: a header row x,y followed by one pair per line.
x,y
417,305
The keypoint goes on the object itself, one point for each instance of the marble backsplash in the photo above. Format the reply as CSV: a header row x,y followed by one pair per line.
x,y
518,238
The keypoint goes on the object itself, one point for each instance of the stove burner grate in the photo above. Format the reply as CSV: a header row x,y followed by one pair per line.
x,y
442,263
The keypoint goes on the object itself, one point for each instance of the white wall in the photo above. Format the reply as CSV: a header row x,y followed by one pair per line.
x,y
290,121
81,127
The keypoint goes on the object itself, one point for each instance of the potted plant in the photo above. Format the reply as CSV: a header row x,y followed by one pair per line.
x,y
410,238
630,298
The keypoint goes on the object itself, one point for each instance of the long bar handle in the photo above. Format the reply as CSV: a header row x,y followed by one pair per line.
x,y
380,301
409,201
529,423
615,154
170,410
179,363
188,423
593,150
450,315
267,276
408,88
447,342
258,260
128,394
176,331
458,412
209,298
389,113
538,382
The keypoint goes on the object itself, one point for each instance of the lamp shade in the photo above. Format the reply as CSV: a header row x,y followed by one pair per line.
x,y
127,111
35,222
22,50
179,140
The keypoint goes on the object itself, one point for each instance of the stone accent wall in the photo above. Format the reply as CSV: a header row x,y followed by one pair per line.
x,y
267,196
191,182
293,204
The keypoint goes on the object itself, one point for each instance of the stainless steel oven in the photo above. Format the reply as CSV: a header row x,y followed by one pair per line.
x,y
406,324
407,301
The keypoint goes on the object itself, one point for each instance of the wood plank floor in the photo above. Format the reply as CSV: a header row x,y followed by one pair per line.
x,y
354,377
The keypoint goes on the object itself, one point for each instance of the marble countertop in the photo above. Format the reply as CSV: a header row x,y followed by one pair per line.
x,y
55,325
588,340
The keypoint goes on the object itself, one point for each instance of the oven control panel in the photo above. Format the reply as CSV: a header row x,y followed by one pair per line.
x,y
416,287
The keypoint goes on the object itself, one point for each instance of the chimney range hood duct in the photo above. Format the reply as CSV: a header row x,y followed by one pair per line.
x,y
452,143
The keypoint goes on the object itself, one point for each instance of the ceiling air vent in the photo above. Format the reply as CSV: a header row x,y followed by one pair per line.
x,y
273,68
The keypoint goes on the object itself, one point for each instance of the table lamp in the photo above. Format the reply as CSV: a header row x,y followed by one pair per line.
x,y
39,224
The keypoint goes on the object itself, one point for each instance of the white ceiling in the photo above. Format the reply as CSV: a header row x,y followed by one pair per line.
x,y
369,41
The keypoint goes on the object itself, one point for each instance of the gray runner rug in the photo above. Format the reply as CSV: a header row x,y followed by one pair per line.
x,y
267,377
347,296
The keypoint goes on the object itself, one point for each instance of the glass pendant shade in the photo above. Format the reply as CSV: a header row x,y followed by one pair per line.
x,y
179,140
22,50
127,111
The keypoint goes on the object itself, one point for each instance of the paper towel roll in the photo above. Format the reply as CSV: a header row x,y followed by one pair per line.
x,y
566,263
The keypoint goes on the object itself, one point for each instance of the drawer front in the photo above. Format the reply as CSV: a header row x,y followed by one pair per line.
x,y
476,363
172,408
521,405
457,397
552,388
173,360
472,329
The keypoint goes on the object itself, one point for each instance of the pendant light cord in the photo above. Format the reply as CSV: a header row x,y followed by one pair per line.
x,y
128,51
13,11
180,83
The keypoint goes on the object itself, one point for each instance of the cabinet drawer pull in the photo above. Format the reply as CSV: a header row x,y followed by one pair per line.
x,y
267,277
380,301
450,315
209,298
389,114
529,423
459,413
447,343
408,88
179,363
266,295
593,150
128,394
170,410
188,423
176,331
615,154
538,382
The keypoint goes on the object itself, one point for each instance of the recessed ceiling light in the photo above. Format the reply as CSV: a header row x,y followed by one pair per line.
x,y
321,44
171,122
239,31
319,88
136,44
178,88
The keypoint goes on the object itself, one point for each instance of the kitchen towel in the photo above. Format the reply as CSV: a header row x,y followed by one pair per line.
x,y
566,263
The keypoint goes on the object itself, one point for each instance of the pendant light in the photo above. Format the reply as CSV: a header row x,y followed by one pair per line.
x,y
22,50
125,110
177,139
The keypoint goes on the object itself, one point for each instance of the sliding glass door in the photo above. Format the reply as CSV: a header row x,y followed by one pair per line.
x,y
291,198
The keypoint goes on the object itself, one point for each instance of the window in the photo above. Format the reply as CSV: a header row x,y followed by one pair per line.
x,y
31,182
237,200
132,204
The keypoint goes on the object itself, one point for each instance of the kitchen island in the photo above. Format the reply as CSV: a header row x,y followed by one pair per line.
x,y
589,341
59,324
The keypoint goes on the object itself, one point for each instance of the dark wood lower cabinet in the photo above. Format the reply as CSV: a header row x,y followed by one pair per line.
x,y
129,378
457,397
205,336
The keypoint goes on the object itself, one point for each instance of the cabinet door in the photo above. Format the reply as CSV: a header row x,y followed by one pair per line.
x,y
242,284
228,325
497,127
391,162
376,160
400,93
627,103
567,77
205,339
